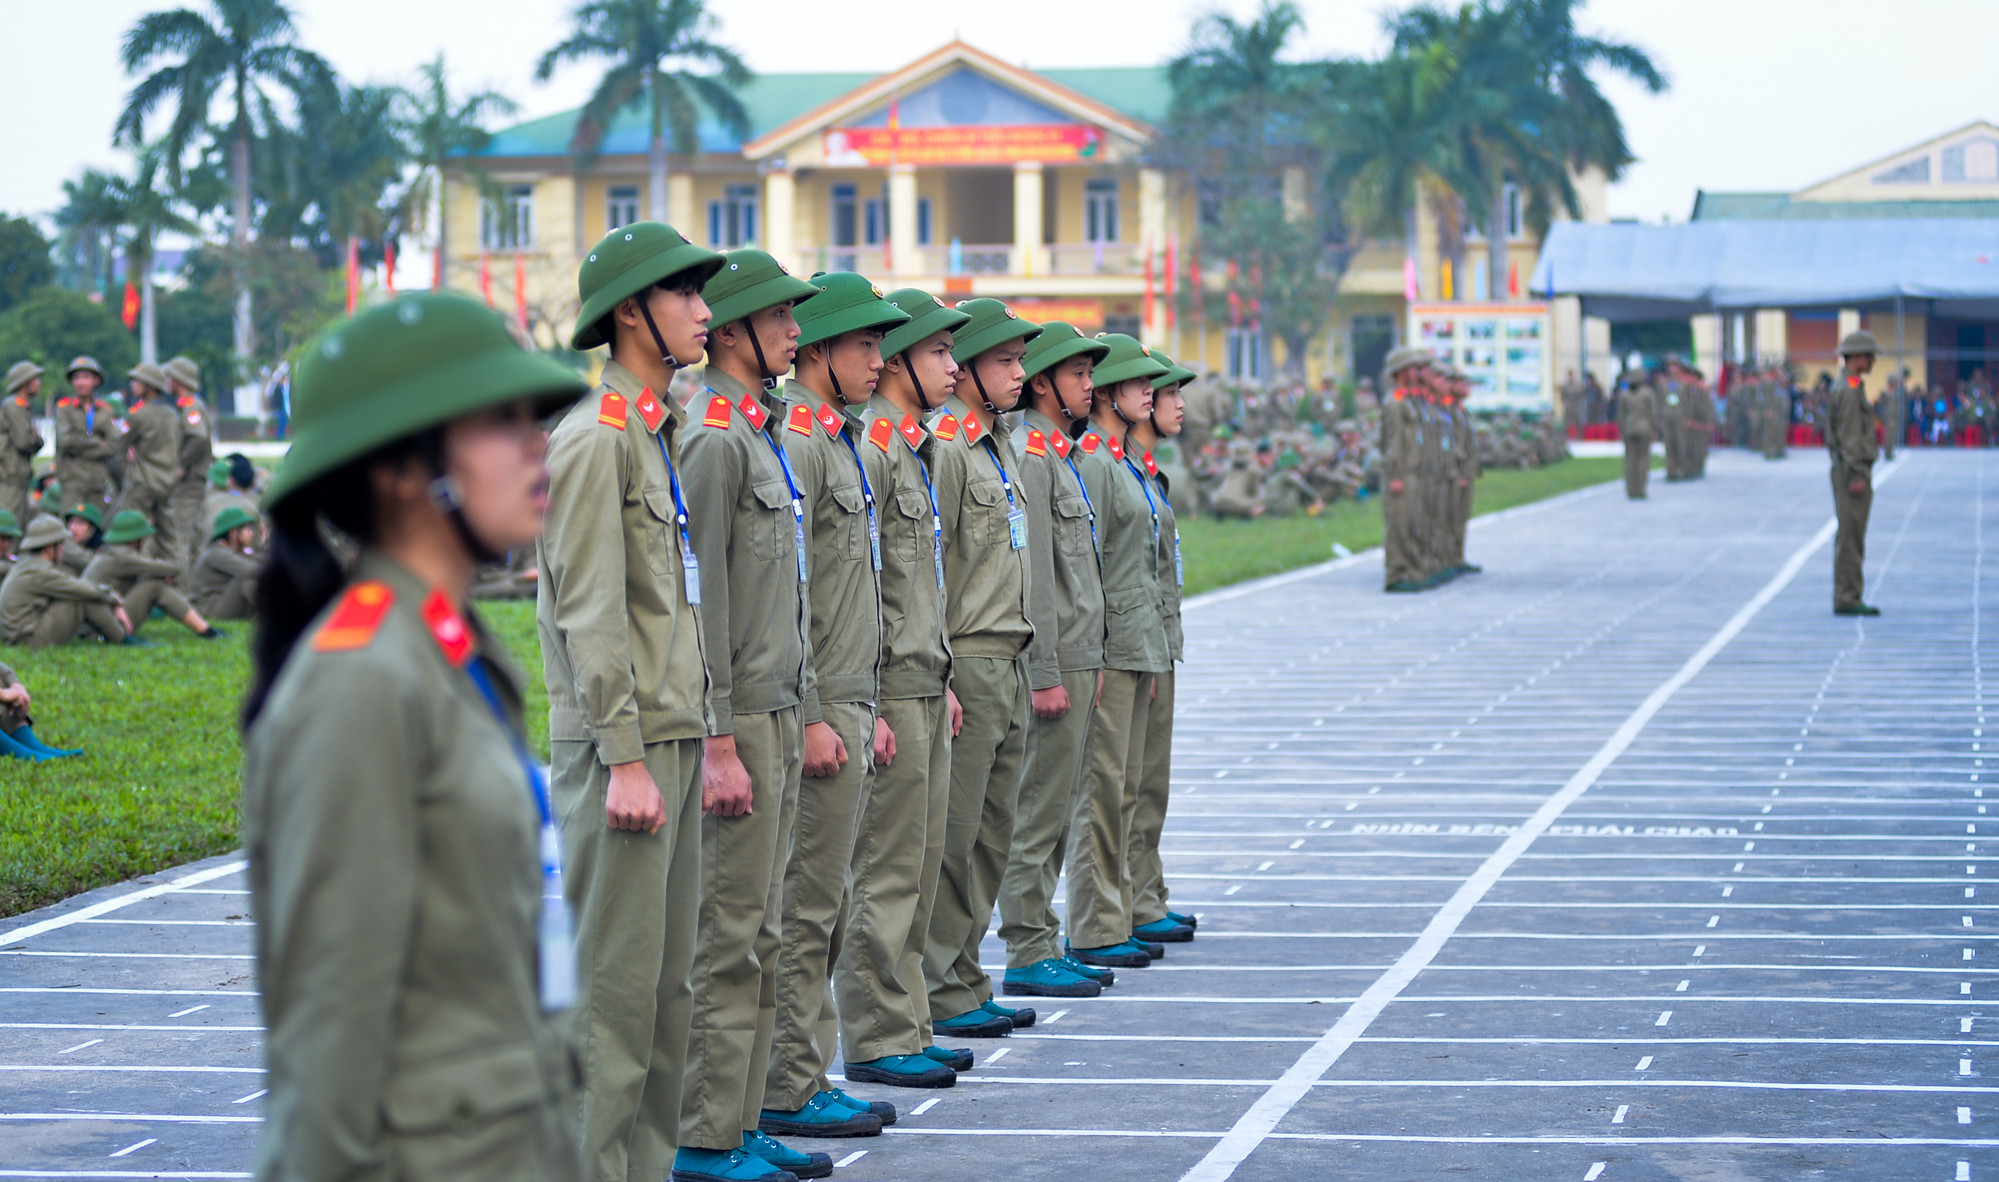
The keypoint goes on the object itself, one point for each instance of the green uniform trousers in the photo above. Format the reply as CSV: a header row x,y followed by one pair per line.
x,y
61,619
146,594
814,916
1055,751
1849,554
635,896
157,505
237,602
736,941
1148,816
987,759
1099,876
1401,547
883,1006
1637,464
184,506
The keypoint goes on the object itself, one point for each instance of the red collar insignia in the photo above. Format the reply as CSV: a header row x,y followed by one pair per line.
x,y
611,410
651,411
912,432
1061,444
184,400
830,419
880,432
1090,443
1037,443
1151,465
356,618
801,419
1117,448
717,414
753,410
1853,382
973,430
947,427
448,629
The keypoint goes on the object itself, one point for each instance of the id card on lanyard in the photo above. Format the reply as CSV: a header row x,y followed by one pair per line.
x,y
689,564
1016,517
555,929
797,506
868,496
936,520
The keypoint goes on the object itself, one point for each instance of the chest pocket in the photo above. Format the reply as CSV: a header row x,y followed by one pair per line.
x,y
986,502
1072,525
662,532
765,516
853,521
908,531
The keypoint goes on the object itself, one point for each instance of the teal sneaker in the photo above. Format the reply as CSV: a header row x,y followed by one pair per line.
x,y
972,1024
1021,1016
1184,920
1152,949
1047,978
903,1071
1163,931
25,736
713,1165
822,1116
956,1060
1113,956
881,1108
1104,977
798,1165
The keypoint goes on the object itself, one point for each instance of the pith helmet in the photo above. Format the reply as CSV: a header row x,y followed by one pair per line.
x,y
88,512
624,263
1058,342
927,317
184,371
1128,359
85,361
128,525
1175,375
401,368
1860,341
229,519
1401,359
150,374
43,532
10,525
21,373
218,474
991,324
846,303
750,280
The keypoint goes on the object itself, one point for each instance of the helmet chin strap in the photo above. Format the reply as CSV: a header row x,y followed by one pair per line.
x,y
665,354
449,496
981,384
763,366
922,397
1129,422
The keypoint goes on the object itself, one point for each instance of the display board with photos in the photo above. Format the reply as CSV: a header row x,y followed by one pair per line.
x,y
1507,350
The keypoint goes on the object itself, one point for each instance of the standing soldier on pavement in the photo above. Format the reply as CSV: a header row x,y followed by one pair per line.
x,y
1401,449
617,611
1850,444
413,952
1065,660
197,453
883,1005
86,438
1637,423
1130,534
986,581
19,441
1776,419
1700,423
1672,415
1464,482
153,443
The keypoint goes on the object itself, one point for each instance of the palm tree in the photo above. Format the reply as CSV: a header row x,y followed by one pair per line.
x,y
652,45
441,125
243,51
88,225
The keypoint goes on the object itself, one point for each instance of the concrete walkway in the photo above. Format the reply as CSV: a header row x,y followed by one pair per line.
x,y
1624,860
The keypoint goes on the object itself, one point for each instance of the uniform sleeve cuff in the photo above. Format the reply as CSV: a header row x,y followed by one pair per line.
x,y
721,719
623,745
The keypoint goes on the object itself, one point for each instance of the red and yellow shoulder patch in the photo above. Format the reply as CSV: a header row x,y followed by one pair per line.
x,y
754,411
65,402
1151,465
1853,381
881,433
1091,442
448,629
1060,443
652,412
912,431
801,419
717,414
947,427
1037,443
1399,395
185,400
973,430
1117,448
611,409
356,618
830,419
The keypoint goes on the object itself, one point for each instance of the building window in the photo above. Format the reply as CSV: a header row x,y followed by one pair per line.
x,y
923,221
732,221
506,221
621,206
1513,227
842,231
1100,211
1242,354
877,220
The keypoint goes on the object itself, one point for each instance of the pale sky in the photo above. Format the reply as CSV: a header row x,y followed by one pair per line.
x,y
1767,94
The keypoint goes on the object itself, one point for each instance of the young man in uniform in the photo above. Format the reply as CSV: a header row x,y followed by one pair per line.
x,y
1129,535
1637,421
884,1008
86,437
42,604
142,582
1464,454
197,452
1849,440
1401,448
986,589
1065,660
617,612
152,443
223,583
19,441
748,515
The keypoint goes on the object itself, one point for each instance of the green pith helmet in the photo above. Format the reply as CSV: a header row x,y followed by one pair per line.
x,y
152,375
749,281
846,303
232,518
990,324
44,531
128,525
10,525
218,474
402,367
1289,458
624,263
21,373
184,371
84,361
88,512
927,317
1401,359
1859,341
1058,342
1175,375
1128,359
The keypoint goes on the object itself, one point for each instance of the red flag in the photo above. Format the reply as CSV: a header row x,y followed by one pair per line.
x,y
486,277
1149,299
389,266
1172,272
129,313
520,293
1235,308
353,273
437,268
1513,279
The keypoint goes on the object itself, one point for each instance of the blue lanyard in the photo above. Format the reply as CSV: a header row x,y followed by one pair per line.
x,y
690,565
1085,490
867,495
936,518
1006,482
536,785
90,417
797,501
1145,486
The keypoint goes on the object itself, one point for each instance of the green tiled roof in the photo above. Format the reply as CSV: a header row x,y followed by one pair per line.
x,y
773,100
1741,207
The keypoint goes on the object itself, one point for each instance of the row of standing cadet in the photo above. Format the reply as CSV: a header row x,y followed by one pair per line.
x,y
1429,467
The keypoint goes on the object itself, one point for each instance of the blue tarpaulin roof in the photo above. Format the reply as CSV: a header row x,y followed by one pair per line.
x,y
1638,272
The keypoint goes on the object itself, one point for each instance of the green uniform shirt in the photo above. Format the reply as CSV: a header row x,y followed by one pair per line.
x,y
1401,440
86,436
841,512
1849,435
154,433
620,643
916,650
746,519
197,444
985,576
216,568
19,441
392,841
1637,414
1173,571
32,587
1066,604
1129,535
121,568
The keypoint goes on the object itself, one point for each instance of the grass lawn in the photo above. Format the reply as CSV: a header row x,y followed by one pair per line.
x,y
158,784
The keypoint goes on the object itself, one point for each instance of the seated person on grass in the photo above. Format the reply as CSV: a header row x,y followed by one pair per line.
x,y
86,527
43,604
224,583
17,735
141,581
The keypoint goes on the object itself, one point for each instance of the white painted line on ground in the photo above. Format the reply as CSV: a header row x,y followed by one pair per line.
x,y
1270,1109
189,1010
1964,1171
132,1117
1624,1139
259,1094
1618,1118
83,990
1665,1016
850,1159
1644,1063
1053,1018
1595,1171
924,1107
996,1056
132,1067
136,1146
1964,1116
29,931
79,1046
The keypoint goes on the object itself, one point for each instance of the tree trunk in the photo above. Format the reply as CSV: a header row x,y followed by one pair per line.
x,y
443,252
1495,241
656,183
149,335
245,338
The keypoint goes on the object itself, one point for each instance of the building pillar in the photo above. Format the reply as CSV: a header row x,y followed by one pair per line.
x,y
1152,241
1771,335
905,256
780,216
1707,340
680,212
1025,258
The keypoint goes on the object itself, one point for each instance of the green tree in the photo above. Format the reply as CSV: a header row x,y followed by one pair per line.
x,y
660,52
147,210
25,264
53,325
442,125
338,174
88,226
243,52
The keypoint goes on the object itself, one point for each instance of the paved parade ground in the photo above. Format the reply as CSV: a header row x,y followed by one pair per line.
x,y
1623,860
